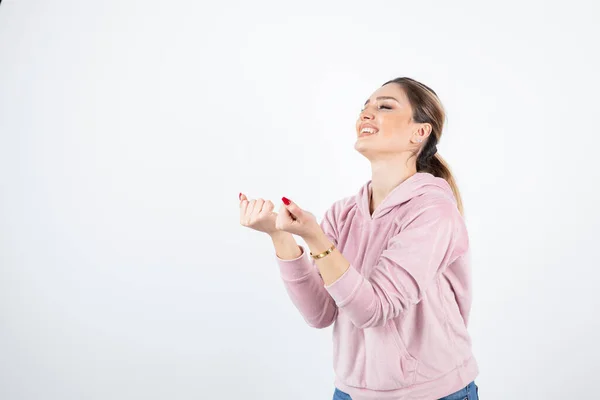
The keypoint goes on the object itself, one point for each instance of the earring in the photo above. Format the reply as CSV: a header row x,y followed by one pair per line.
x,y
419,140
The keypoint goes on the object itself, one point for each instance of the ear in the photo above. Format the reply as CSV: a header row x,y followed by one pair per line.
x,y
422,133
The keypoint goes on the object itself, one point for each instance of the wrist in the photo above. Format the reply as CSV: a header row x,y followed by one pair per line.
x,y
286,247
318,242
279,234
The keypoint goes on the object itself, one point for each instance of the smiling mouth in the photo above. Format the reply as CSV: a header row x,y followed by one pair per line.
x,y
367,132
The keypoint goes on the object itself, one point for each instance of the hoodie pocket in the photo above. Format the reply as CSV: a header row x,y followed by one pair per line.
x,y
408,362
386,365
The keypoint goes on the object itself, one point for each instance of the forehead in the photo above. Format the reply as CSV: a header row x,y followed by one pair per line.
x,y
391,89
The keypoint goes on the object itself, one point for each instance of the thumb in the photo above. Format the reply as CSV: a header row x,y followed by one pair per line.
x,y
292,207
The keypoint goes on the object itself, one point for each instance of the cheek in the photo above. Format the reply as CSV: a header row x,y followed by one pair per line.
x,y
396,134
393,128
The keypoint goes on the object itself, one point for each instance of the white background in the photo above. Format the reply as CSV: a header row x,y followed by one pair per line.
x,y
128,128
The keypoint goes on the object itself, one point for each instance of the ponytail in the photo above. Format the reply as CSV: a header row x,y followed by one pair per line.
x,y
437,166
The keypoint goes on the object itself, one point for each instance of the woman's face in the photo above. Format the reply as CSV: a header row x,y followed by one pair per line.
x,y
385,123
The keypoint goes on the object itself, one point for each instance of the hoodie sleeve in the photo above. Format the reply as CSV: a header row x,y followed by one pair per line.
x,y
407,267
304,284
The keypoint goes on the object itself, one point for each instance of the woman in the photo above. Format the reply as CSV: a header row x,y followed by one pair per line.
x,y
389,266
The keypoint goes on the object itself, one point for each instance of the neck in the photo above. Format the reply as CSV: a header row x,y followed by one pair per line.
x,y
386,176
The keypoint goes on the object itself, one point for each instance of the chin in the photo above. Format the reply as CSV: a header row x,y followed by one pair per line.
x,y
360,146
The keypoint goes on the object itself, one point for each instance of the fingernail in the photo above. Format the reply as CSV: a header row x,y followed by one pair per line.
x,y
285,201
240,196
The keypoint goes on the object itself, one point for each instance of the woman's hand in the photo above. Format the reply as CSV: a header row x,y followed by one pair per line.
x,y
293,219
258,215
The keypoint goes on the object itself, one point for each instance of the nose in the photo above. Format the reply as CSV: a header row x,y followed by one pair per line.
x,y
366,115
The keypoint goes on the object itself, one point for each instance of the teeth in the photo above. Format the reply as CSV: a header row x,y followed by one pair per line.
x,y
367,130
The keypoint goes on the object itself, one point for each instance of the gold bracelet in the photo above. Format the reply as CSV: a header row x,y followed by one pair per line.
x,y
323,254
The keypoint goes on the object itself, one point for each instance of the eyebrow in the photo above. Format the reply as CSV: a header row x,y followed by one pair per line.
x,y
384,98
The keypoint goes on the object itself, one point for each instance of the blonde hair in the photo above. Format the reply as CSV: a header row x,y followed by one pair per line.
x,y
427,108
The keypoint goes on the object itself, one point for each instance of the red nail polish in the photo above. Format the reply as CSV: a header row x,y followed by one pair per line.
x,y
240,196
285,201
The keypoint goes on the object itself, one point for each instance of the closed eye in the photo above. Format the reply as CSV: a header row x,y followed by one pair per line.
x,y
379,107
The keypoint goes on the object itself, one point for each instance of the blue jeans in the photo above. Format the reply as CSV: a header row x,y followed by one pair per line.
x,y
469,392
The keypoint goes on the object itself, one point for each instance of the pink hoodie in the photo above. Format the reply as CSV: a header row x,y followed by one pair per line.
x,y
401,310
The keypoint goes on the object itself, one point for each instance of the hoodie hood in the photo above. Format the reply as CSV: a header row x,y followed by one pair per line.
x,y
416,185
